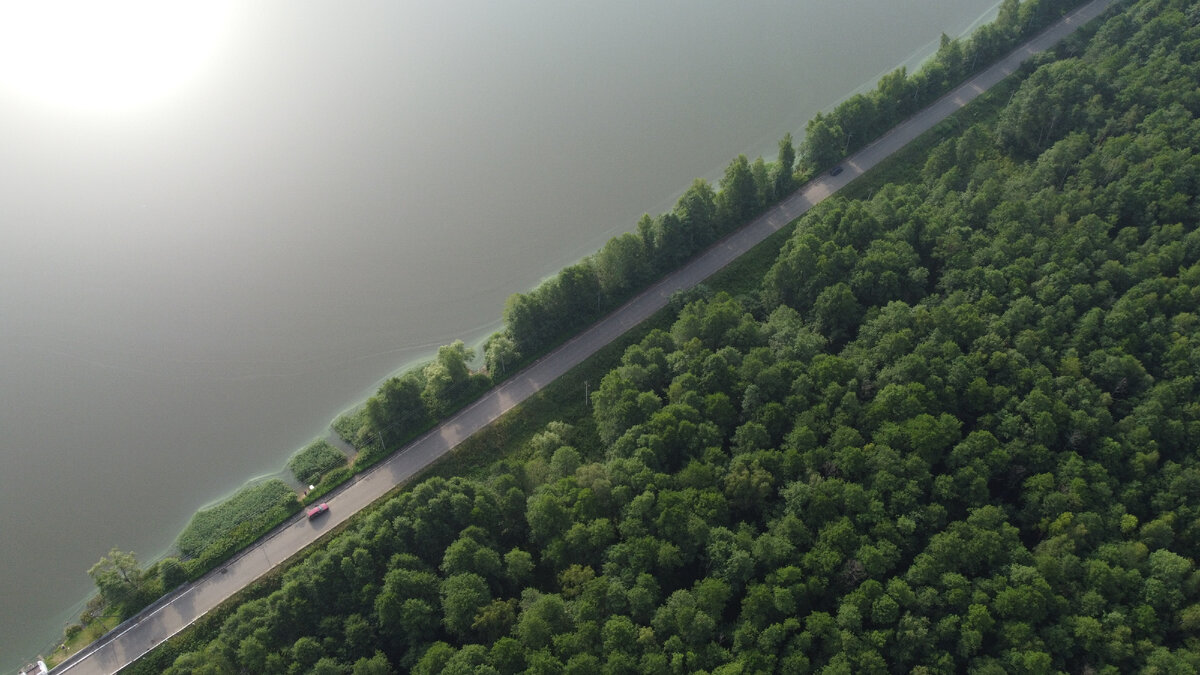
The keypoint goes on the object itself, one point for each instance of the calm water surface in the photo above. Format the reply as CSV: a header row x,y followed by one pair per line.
x,y
191,290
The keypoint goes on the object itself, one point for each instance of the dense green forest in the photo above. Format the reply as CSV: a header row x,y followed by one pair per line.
x,y
953,428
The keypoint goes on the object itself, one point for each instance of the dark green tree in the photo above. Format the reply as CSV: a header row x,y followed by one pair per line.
x,y
738,200
398,410
824,140
784,168
463,596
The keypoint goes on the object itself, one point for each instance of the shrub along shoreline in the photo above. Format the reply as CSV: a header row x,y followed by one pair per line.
x,y
413,402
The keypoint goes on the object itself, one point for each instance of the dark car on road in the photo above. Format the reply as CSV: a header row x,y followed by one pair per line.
x,y
835,171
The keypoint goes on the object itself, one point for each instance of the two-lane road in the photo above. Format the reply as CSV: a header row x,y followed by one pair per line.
x,y
175,612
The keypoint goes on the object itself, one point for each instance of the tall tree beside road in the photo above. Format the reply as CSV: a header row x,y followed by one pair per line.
x,y
398,410
622,265
823,143
673,243
119,580
785,167
500,354
448,379
737,200
697,208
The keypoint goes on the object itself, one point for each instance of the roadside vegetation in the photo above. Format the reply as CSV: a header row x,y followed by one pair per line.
x,y
248,509
213,536
413,402
951,428
79,635
316,460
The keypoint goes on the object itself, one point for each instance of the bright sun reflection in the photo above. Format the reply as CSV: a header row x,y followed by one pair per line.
x,y
106,54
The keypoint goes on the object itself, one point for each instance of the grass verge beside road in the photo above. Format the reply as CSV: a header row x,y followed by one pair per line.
x,y
80,636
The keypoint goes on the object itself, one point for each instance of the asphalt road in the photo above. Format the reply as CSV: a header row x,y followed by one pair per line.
x,y
179,609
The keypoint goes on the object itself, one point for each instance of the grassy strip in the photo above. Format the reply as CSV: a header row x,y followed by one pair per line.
x,y
241,537
208,626
81,635
330,481
250,505
314,461
353,427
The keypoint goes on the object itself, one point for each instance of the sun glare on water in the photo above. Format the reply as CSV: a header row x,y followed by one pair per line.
x,y
106,54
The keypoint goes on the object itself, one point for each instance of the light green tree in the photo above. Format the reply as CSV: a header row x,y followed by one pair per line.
x,y
119,579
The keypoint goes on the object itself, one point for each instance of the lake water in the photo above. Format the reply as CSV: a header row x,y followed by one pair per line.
x,y
192,289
